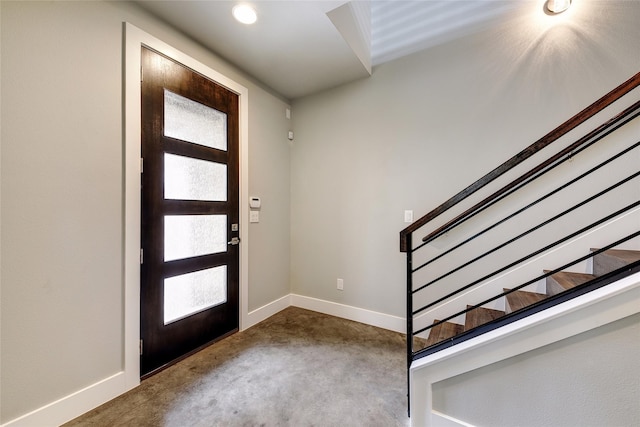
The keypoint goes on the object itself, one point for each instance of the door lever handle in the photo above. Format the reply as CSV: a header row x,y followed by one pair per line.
x,y
234,241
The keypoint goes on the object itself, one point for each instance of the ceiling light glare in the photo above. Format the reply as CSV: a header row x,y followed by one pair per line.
x,y
244,13
558,6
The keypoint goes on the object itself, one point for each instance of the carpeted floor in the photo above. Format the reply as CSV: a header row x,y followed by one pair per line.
x,y
297,368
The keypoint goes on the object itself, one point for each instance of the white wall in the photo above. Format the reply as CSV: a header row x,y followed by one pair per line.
x,y
269,179
562,384
62,194
425,126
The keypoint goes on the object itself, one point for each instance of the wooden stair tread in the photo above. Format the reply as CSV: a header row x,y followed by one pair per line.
x,y
564,280
606,261
520,299
443,331
480,316
613,259
626,255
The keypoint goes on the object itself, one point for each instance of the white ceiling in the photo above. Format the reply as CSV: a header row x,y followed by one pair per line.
x,y
299,47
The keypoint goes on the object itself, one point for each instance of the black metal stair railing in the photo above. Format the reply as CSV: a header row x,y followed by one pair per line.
x,y
544,304
524,234
441,278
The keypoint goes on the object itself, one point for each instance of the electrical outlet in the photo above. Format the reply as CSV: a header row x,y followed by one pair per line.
x,y
340,284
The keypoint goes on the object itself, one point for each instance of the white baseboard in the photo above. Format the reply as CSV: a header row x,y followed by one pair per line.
x,y
266,311
373,318
442,420
73,405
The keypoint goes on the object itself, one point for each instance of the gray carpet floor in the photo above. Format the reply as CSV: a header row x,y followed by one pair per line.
x,y
297,368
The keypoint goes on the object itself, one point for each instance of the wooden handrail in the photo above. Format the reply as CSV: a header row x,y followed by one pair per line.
x,y
552,136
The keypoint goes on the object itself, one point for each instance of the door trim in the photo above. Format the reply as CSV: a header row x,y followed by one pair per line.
x,y
134,40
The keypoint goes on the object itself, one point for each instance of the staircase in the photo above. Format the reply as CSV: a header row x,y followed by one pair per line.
x,y
603,263
476,273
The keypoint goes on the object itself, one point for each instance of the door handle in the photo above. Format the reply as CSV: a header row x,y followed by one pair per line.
x,y
234,241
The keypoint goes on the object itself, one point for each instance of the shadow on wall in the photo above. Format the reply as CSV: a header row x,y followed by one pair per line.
x,y
543,47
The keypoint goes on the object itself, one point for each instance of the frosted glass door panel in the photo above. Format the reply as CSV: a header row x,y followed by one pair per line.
x,y
194,179
193,122
191,293
187,236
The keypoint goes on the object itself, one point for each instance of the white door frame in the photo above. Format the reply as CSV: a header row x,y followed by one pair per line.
x,y
134,40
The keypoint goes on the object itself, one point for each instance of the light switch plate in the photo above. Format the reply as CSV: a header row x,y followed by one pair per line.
x,y
408,216
254,216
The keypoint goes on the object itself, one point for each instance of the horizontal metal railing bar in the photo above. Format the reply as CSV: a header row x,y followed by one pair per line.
x,y
541,143
549,302
537,252
532,229
570,151
524,208
532,281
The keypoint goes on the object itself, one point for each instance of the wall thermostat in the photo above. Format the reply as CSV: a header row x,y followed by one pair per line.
x,y
254,202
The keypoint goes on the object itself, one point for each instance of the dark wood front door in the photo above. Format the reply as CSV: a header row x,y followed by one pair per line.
x,y
190,191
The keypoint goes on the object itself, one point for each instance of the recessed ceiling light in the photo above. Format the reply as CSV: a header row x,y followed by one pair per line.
x,y
558,6
244,13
